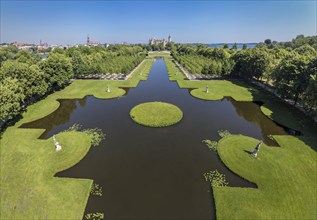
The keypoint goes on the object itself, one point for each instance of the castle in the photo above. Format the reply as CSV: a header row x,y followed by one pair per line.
x,y
153,41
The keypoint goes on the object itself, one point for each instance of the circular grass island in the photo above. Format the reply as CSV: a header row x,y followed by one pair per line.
x,y
202,94
156,114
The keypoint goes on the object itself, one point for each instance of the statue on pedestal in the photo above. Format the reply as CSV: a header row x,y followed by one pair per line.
x,y
108,89
58,147
207,89
256,150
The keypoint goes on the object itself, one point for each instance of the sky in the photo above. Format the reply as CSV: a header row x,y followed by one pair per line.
x,y
69,22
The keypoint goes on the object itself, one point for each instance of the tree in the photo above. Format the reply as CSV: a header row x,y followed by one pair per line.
x,y
268,41
30,78
291,77
311,94
235,46
245,46
306,50
251,63
24,56
58,70
11,95
225,46
8,53
58,50
310,97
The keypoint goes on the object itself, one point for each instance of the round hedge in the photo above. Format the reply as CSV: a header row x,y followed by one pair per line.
x,y
156,114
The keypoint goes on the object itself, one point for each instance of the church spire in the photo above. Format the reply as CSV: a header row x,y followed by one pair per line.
x,y
88,40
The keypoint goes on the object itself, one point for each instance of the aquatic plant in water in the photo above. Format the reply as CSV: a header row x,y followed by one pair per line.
x,y
212,145
215,178
96,134
95,216
96,189
223,133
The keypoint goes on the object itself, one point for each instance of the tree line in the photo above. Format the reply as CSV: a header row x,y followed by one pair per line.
x,y
26,77
289,67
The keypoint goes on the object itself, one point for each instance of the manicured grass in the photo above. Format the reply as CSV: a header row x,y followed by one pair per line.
x,y
242,91
156,114
29,189
156,54
286,178
80,88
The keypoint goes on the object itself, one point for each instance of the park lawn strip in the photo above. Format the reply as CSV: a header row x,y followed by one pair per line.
x,y
29,189
286,178
273,108
78,89
156,114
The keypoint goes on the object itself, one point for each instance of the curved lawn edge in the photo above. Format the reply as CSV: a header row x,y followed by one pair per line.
x,y
79,89
156,114
238,90
202,94
26,163
285,185
39,159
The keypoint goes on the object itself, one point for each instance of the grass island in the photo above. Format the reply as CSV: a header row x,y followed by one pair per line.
x,y
156,114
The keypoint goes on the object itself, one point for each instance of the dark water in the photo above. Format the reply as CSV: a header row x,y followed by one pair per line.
x,y
156,173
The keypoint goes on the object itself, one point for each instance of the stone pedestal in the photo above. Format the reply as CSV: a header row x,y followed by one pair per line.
x,y
256,150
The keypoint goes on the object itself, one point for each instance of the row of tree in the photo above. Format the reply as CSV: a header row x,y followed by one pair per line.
x,y
290,68
26,77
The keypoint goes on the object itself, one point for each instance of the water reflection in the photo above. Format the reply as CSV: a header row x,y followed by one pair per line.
x,y
156,173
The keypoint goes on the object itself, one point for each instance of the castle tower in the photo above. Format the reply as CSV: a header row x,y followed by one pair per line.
x,y
169,39
88,40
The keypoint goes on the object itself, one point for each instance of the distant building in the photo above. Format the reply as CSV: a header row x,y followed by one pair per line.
x,y
154,41
23,46
42,46
91,43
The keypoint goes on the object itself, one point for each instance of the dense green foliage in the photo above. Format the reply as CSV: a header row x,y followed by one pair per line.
x,y
156,114
204,60
25,77
99,60
288,68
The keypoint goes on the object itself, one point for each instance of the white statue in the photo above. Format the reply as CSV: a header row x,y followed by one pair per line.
x,y
256,150
207,89
108,89
58,147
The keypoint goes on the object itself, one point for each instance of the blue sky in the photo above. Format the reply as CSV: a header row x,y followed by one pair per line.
x,y
69,22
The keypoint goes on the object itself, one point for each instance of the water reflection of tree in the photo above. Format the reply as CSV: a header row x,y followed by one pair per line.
x,y
82,102
58,117
252,113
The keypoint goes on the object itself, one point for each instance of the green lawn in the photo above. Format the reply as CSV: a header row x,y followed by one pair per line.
x,y
242,91
29,189
286,176
156,114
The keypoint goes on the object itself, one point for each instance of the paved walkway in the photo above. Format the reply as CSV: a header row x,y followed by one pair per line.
x,y
110,76
194,76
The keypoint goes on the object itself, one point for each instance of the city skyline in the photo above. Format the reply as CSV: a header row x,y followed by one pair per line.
x,y
69,22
